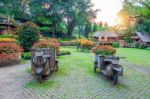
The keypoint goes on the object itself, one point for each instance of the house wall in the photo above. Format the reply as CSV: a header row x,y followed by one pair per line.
x,y
108,39
103,39
9,31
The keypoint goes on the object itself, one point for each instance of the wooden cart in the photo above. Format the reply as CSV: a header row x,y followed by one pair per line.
x,y
43,61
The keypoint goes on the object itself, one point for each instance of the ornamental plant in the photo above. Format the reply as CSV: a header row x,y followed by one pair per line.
x,y
47,43
8,40
9,48
104,50
85,43
28,34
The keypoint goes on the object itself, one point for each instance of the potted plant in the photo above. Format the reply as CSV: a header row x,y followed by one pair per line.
x,y
103,50
47,43
10,53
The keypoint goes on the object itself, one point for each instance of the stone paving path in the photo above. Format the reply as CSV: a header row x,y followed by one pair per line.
x,y
76,83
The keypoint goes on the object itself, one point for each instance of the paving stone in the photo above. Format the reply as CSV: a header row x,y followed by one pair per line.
x,y
76,84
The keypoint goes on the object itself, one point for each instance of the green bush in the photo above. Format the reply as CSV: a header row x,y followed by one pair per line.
x,y
136,45
127,39
8,36
115,44
28,34
148,48
142,46
61,53
26,55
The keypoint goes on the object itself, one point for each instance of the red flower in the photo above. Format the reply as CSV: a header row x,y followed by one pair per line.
x,y
47,43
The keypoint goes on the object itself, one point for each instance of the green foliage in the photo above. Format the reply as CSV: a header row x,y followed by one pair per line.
x,y
63,52
127,39
142,46
148,48
88,28
94,28
135,16
144,25
101,28
51,13
44,28
36,85
136,45
20,8
26,55
28,70
115,44
8,36
28,34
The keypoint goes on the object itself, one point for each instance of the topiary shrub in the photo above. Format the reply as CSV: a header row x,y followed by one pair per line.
x,y
115,44
28,35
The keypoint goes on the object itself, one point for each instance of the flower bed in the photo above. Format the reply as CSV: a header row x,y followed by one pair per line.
x,y
104,50
9,59
9,53
69,43
47,43
85,44
8,40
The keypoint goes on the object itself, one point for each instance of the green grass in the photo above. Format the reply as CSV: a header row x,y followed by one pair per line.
x,y
28,70
22,61
36,85
77,60
135,56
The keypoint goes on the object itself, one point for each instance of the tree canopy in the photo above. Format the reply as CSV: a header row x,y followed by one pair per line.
x,y
55,14
134,16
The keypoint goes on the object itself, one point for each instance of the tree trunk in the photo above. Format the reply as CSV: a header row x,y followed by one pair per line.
x,y
70,28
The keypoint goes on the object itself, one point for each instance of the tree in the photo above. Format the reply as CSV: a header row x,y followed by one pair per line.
x,y
51,13
94,27
139,12
88,28
15,8
28,34
77,12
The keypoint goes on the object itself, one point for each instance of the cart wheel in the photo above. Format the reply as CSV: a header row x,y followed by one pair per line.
x,y
57,65
39,77
57,68
95,63
115,80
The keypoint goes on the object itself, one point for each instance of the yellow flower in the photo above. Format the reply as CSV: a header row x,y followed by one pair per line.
x,y
7,40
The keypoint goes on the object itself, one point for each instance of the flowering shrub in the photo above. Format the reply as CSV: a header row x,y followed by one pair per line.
x,y
48,43
11,56
104,50
7,40
85,42
9,48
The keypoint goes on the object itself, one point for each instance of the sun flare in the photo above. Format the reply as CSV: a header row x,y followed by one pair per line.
x,y
108,10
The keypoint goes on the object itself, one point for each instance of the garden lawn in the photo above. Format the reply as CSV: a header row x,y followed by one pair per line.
x,y
77,59
135,56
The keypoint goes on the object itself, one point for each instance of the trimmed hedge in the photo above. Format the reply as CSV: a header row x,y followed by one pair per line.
x,y
115,44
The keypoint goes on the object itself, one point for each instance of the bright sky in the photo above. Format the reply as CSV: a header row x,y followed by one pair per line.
x,y
109,10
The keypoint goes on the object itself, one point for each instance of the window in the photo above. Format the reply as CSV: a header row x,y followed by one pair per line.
x,y
102,38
